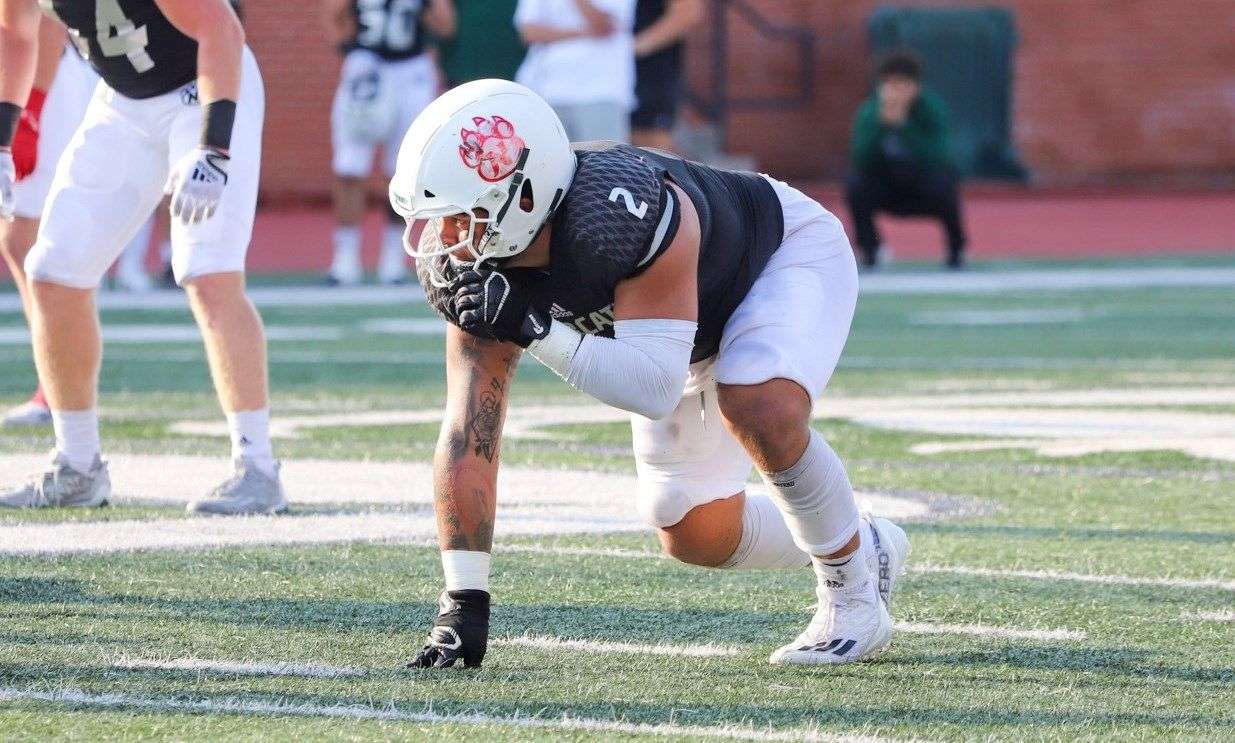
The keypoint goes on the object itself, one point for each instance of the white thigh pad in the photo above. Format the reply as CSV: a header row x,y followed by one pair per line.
x,y
686,459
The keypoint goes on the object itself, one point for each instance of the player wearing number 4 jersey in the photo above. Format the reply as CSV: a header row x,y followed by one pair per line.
x,y
712,305
179,110
388,77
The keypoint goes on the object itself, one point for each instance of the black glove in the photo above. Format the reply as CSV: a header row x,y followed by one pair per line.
x,y
489,306
461,630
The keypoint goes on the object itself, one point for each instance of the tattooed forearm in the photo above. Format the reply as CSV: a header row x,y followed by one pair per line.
x,y
485,420
465,481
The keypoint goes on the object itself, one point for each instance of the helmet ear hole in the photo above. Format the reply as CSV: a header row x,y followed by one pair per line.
x,y
527,202
428,194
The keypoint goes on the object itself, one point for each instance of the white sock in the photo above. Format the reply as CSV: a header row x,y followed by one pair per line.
x,y
842,573
816,499
392,239
77,437
251,438
346,244
466,570
766,543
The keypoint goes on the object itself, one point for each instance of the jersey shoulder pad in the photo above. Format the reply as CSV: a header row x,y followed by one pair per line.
x,y
613,209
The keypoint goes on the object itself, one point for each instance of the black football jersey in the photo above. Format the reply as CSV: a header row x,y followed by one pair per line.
x,y
619,215
130,43
390,29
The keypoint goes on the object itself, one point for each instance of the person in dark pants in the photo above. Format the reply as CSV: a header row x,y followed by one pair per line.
x,y
661,27
902,161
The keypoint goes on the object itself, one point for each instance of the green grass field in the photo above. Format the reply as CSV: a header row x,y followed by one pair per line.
x,y
1082,588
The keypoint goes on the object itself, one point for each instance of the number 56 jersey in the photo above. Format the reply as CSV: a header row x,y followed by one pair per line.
x,y
130,43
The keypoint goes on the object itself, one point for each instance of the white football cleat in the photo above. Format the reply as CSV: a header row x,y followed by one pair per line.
x,y
886,547
853,624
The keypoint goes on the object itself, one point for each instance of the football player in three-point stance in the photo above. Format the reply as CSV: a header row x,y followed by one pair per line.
x,y
388,77
180,110
712,305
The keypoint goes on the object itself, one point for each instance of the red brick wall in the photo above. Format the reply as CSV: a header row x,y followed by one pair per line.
x,y
1105,90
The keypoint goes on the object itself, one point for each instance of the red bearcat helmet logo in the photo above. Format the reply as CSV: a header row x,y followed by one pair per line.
x,y
492,148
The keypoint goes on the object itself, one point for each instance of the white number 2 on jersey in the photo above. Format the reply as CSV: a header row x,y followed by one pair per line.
x,y
621,193
118,36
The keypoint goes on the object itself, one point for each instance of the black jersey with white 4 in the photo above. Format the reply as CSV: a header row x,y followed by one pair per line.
x,y
130,43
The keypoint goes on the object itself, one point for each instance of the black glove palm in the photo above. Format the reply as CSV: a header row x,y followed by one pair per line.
x,y
489,306
461,630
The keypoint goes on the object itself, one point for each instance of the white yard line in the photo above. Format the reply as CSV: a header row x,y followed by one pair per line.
x,y
215,533
981,630
377,502
391,713
1222,615
240,668
627,648
1220,584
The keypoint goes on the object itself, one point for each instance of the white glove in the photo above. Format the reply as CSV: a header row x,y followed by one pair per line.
x,y
196,184
8,178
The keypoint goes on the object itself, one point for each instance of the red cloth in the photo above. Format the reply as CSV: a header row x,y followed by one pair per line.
x,y
26,140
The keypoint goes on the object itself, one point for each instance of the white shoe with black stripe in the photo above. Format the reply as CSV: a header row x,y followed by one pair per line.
x,y
853,623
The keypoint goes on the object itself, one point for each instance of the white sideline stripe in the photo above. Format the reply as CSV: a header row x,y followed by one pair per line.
x,y
981,630
1223,615
251,706
243,668
143,333
1002,317
1118,580
606,646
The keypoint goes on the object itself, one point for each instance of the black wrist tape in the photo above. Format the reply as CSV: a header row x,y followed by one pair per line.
x,y
217,118
10,114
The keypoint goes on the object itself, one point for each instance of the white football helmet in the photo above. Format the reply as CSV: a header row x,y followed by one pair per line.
x,y
478,150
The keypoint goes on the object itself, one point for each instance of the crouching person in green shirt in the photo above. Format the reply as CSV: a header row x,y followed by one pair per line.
x,y
902,164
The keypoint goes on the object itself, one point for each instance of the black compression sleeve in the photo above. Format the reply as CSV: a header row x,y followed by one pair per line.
x,y
10,114
217,119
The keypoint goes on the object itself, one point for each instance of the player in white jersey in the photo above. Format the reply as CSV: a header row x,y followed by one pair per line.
x,y
388,77
62,89
180,109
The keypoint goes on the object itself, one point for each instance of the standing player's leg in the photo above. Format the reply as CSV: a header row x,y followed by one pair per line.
x,y
208,261
357,105
779,350
16,240
92,211
415,81
67,97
